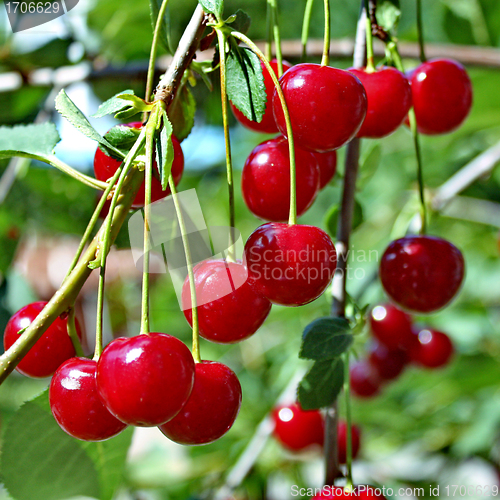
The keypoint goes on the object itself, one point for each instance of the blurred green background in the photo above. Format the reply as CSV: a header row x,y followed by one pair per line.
x,y
429,427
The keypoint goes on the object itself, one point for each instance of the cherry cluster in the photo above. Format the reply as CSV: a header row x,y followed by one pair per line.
x,y
397,343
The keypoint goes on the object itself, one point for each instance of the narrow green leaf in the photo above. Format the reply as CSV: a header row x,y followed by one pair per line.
x,y
136,102
241,21
245,83
154,7
126,113
388,14
38,140
112,105
326,338
182,112
322,384
164,151
216,7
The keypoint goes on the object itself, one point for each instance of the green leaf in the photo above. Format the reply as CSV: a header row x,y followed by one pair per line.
x,y
241,21
370,161
122,138
216,7
182,112
388,14
112,105
127,113
165,151
332,216
322,384
39,460
245,83
325,338
154,7
136,102
38,140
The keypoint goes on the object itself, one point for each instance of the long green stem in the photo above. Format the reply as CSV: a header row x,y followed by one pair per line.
x,y
189,264
416,141
276,34
229,164
291,148
348,417
269,32
325,60
370,64
73,335
154,50
305,28
420,31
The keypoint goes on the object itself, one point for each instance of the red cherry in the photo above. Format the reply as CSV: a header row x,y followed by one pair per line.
x,y
229,309
76,405
297,429
105,167
145,380
326,105
365,381
211,409
327,163
389,100
291,265
342,441
360,492
391,327
267,125
265,181
388,363
442,95
433,349
422,273
52,349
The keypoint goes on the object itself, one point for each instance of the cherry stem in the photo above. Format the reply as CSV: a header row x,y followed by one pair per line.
x,y
348,416
276,34
229,164
370,64
189,264
305,28
154,51
420,31
291,148
325,60
73,335
398,62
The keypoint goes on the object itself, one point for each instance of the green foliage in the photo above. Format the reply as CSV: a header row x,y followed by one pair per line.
x,y
163,35
240,21
122,138
331,219
30,140
182,112
164,151
112,105
215,7
388,14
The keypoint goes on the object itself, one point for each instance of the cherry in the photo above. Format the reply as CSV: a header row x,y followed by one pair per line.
x,y
433,349
327,163
105,167
442,95
364,379
229,308
391,327
76,405
342,441
388,363
265,181
360,492
389,100
297,429
326,105
52,349
145,380
267,125
211,408
291,265
422,273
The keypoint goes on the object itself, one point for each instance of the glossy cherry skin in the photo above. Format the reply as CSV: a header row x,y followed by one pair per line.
x,y
297,429
433,349
391,327
211,409
76,404
291,265
442,95
326,105
340,492
422,273
365,381
389,100
267,125
145,380
230,309
52,349
327,163
342,441
388,363
265,181
105,167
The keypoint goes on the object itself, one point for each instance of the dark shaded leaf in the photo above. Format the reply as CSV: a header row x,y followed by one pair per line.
x,y
326,338
181,113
